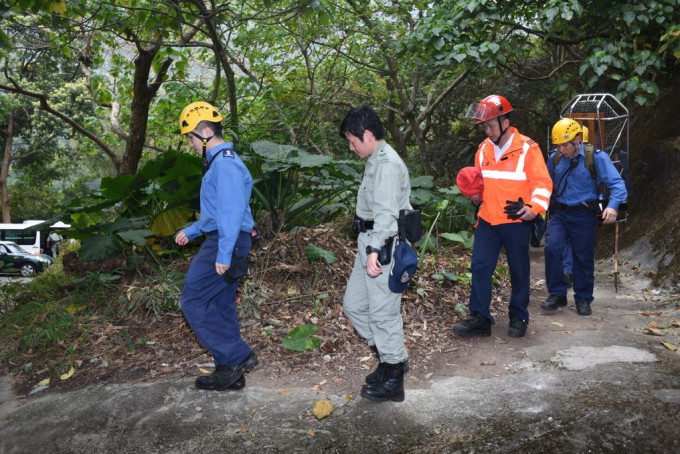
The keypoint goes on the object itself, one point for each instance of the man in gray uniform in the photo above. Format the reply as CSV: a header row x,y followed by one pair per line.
x,y
375,311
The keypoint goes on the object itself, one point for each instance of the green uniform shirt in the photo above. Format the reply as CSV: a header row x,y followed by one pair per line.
x,y
385,189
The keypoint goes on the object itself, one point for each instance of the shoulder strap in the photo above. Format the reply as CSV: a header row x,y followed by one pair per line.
x,y
556,158
589,150
206,164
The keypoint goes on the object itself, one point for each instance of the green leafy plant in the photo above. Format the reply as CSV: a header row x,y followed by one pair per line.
x,y
301,338
444,210
463,237
36,315
293,187
124,211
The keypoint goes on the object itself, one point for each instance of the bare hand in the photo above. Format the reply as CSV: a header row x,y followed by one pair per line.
x,y
373,268
609,215
221,269
526,214
181,238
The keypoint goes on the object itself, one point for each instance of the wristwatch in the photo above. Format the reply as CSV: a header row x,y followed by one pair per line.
x,y
371,250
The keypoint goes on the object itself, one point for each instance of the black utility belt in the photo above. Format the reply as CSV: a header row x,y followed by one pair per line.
x,y
214,232
361,226
409,224
588,205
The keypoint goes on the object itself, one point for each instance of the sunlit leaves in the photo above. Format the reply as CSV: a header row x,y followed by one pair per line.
x,y
168,222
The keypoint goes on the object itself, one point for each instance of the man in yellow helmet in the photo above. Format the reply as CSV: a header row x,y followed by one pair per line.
x,y
575,208
209,296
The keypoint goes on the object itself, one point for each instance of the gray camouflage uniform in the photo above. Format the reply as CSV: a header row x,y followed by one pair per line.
x,y
374,310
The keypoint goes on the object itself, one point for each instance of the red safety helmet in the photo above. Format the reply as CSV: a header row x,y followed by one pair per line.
x,y
490,107
470,181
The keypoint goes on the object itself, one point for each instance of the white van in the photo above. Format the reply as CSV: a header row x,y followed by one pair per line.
x,y
31,240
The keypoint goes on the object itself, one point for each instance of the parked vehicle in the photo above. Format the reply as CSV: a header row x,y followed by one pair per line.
x,y
32,235
15,259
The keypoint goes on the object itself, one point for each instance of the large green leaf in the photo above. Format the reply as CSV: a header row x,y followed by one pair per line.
x,y
425,182
315,253
300,338
289,154
119,224
137,237
168,222
99,247
116,188
463,237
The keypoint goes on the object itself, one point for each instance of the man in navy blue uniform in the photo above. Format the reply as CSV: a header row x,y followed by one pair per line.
x,y
575,208
209,298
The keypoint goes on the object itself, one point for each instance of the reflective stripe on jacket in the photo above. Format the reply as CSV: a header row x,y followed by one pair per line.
x,y
520,172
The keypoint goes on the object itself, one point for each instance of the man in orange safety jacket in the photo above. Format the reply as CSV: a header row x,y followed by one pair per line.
x,y
517,188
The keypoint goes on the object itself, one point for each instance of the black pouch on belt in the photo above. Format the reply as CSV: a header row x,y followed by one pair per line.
x,y
385,254
238,268
410,224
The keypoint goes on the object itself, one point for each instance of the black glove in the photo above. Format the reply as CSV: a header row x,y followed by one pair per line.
x,y
513,207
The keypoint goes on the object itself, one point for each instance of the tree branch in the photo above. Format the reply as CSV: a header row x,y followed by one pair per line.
x,y
44,105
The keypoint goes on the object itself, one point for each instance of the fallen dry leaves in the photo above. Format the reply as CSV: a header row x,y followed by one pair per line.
x,y
282,291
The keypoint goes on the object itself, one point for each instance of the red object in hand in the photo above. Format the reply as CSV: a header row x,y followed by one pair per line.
x,y
469,181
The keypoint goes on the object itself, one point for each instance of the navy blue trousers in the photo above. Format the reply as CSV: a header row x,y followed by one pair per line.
x,y
567,259
579,228
209,304
485,251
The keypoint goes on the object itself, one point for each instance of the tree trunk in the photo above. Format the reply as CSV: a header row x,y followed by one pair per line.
x,y
144,93
221,54
6,160
139,113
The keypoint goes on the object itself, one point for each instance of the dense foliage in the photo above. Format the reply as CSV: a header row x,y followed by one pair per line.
x,y
90,93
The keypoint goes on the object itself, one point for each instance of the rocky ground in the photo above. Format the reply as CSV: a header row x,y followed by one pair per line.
x,y
606,383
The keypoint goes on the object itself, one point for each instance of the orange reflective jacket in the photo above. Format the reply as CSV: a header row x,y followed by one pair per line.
x,y
520,172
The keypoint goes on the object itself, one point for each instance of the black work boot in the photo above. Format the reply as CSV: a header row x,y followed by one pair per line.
x,y
518,327
227,377
392,388
583,308
553,302
239,384
475,325
378,375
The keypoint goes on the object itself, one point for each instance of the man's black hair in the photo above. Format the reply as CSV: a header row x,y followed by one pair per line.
x,y
215,127
360,119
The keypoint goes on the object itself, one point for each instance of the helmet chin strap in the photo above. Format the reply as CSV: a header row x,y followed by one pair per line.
x,y
205,141
503,131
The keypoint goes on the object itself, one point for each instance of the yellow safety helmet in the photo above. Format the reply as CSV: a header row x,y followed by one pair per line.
x,y
195,113
565,130
585,134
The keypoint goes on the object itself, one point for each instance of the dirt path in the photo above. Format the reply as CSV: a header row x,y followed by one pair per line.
x,y
574,384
